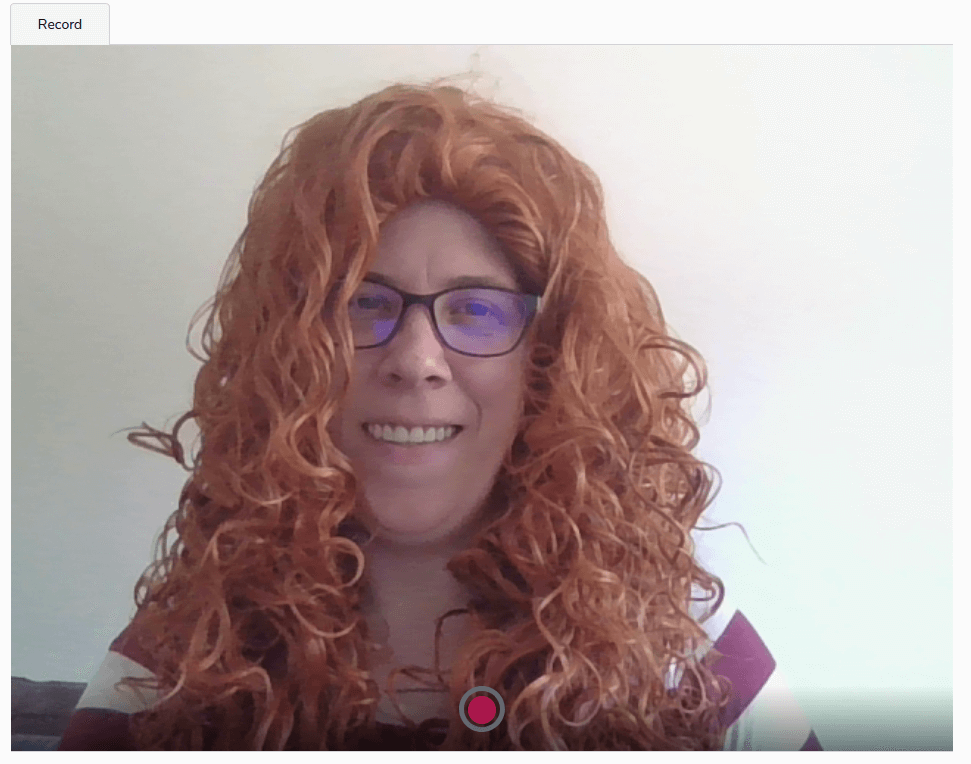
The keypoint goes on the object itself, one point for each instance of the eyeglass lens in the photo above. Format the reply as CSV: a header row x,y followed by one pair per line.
x,y
477,321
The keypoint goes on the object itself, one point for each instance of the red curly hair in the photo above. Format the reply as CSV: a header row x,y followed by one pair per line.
x,y
584,579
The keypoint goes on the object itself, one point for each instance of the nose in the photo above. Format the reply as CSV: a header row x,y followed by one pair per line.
x,y
416,353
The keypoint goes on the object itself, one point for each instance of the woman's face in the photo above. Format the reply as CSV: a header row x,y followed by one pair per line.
x,y
418,494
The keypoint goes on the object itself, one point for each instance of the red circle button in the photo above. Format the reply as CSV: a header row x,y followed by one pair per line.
x,y
482,709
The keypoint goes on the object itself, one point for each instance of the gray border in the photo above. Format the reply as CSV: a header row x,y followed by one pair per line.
x,y
499,716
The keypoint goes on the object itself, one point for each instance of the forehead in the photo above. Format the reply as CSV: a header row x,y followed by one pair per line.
x,y
430,244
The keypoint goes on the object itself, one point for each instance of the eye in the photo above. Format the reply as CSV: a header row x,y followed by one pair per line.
x,y
370,303
474,307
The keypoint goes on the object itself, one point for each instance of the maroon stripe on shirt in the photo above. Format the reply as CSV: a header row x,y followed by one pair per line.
x,y
747,663
812,743
94,729
127,646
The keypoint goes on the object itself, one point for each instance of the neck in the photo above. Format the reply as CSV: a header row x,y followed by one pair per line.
x,y
409,590
415,575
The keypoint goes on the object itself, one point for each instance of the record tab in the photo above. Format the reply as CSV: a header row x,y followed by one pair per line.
x,y
59,24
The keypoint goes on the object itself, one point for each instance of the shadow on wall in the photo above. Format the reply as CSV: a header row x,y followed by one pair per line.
x,y
40,711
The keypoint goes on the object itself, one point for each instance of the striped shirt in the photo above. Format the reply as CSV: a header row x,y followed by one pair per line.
x,y
763,714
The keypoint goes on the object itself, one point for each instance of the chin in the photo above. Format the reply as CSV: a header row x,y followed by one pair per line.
x,y
419,529
414,530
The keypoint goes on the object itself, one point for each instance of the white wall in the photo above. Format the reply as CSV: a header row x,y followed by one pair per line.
x,y
792,207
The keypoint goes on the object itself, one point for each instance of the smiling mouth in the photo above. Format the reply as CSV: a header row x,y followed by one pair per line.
x,y
401,436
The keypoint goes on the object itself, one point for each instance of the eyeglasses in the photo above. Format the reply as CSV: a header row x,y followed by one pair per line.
x,y
474,321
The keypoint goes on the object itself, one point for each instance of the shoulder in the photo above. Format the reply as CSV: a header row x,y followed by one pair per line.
x,y
763,714
107,692
100,719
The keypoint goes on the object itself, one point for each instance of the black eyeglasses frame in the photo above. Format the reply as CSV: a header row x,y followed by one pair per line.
x,y
533,304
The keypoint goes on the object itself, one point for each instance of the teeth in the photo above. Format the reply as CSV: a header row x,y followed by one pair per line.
x,y
414,436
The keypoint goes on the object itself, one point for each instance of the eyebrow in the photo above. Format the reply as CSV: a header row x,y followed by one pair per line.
x,y
457,283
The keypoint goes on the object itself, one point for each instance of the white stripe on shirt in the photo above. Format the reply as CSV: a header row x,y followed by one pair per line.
x,y
103,691
773,721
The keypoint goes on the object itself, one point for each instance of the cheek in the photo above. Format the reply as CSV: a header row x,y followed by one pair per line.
x,y
501,394
343,418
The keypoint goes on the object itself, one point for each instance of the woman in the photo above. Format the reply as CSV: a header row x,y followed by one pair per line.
x,y
444,445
